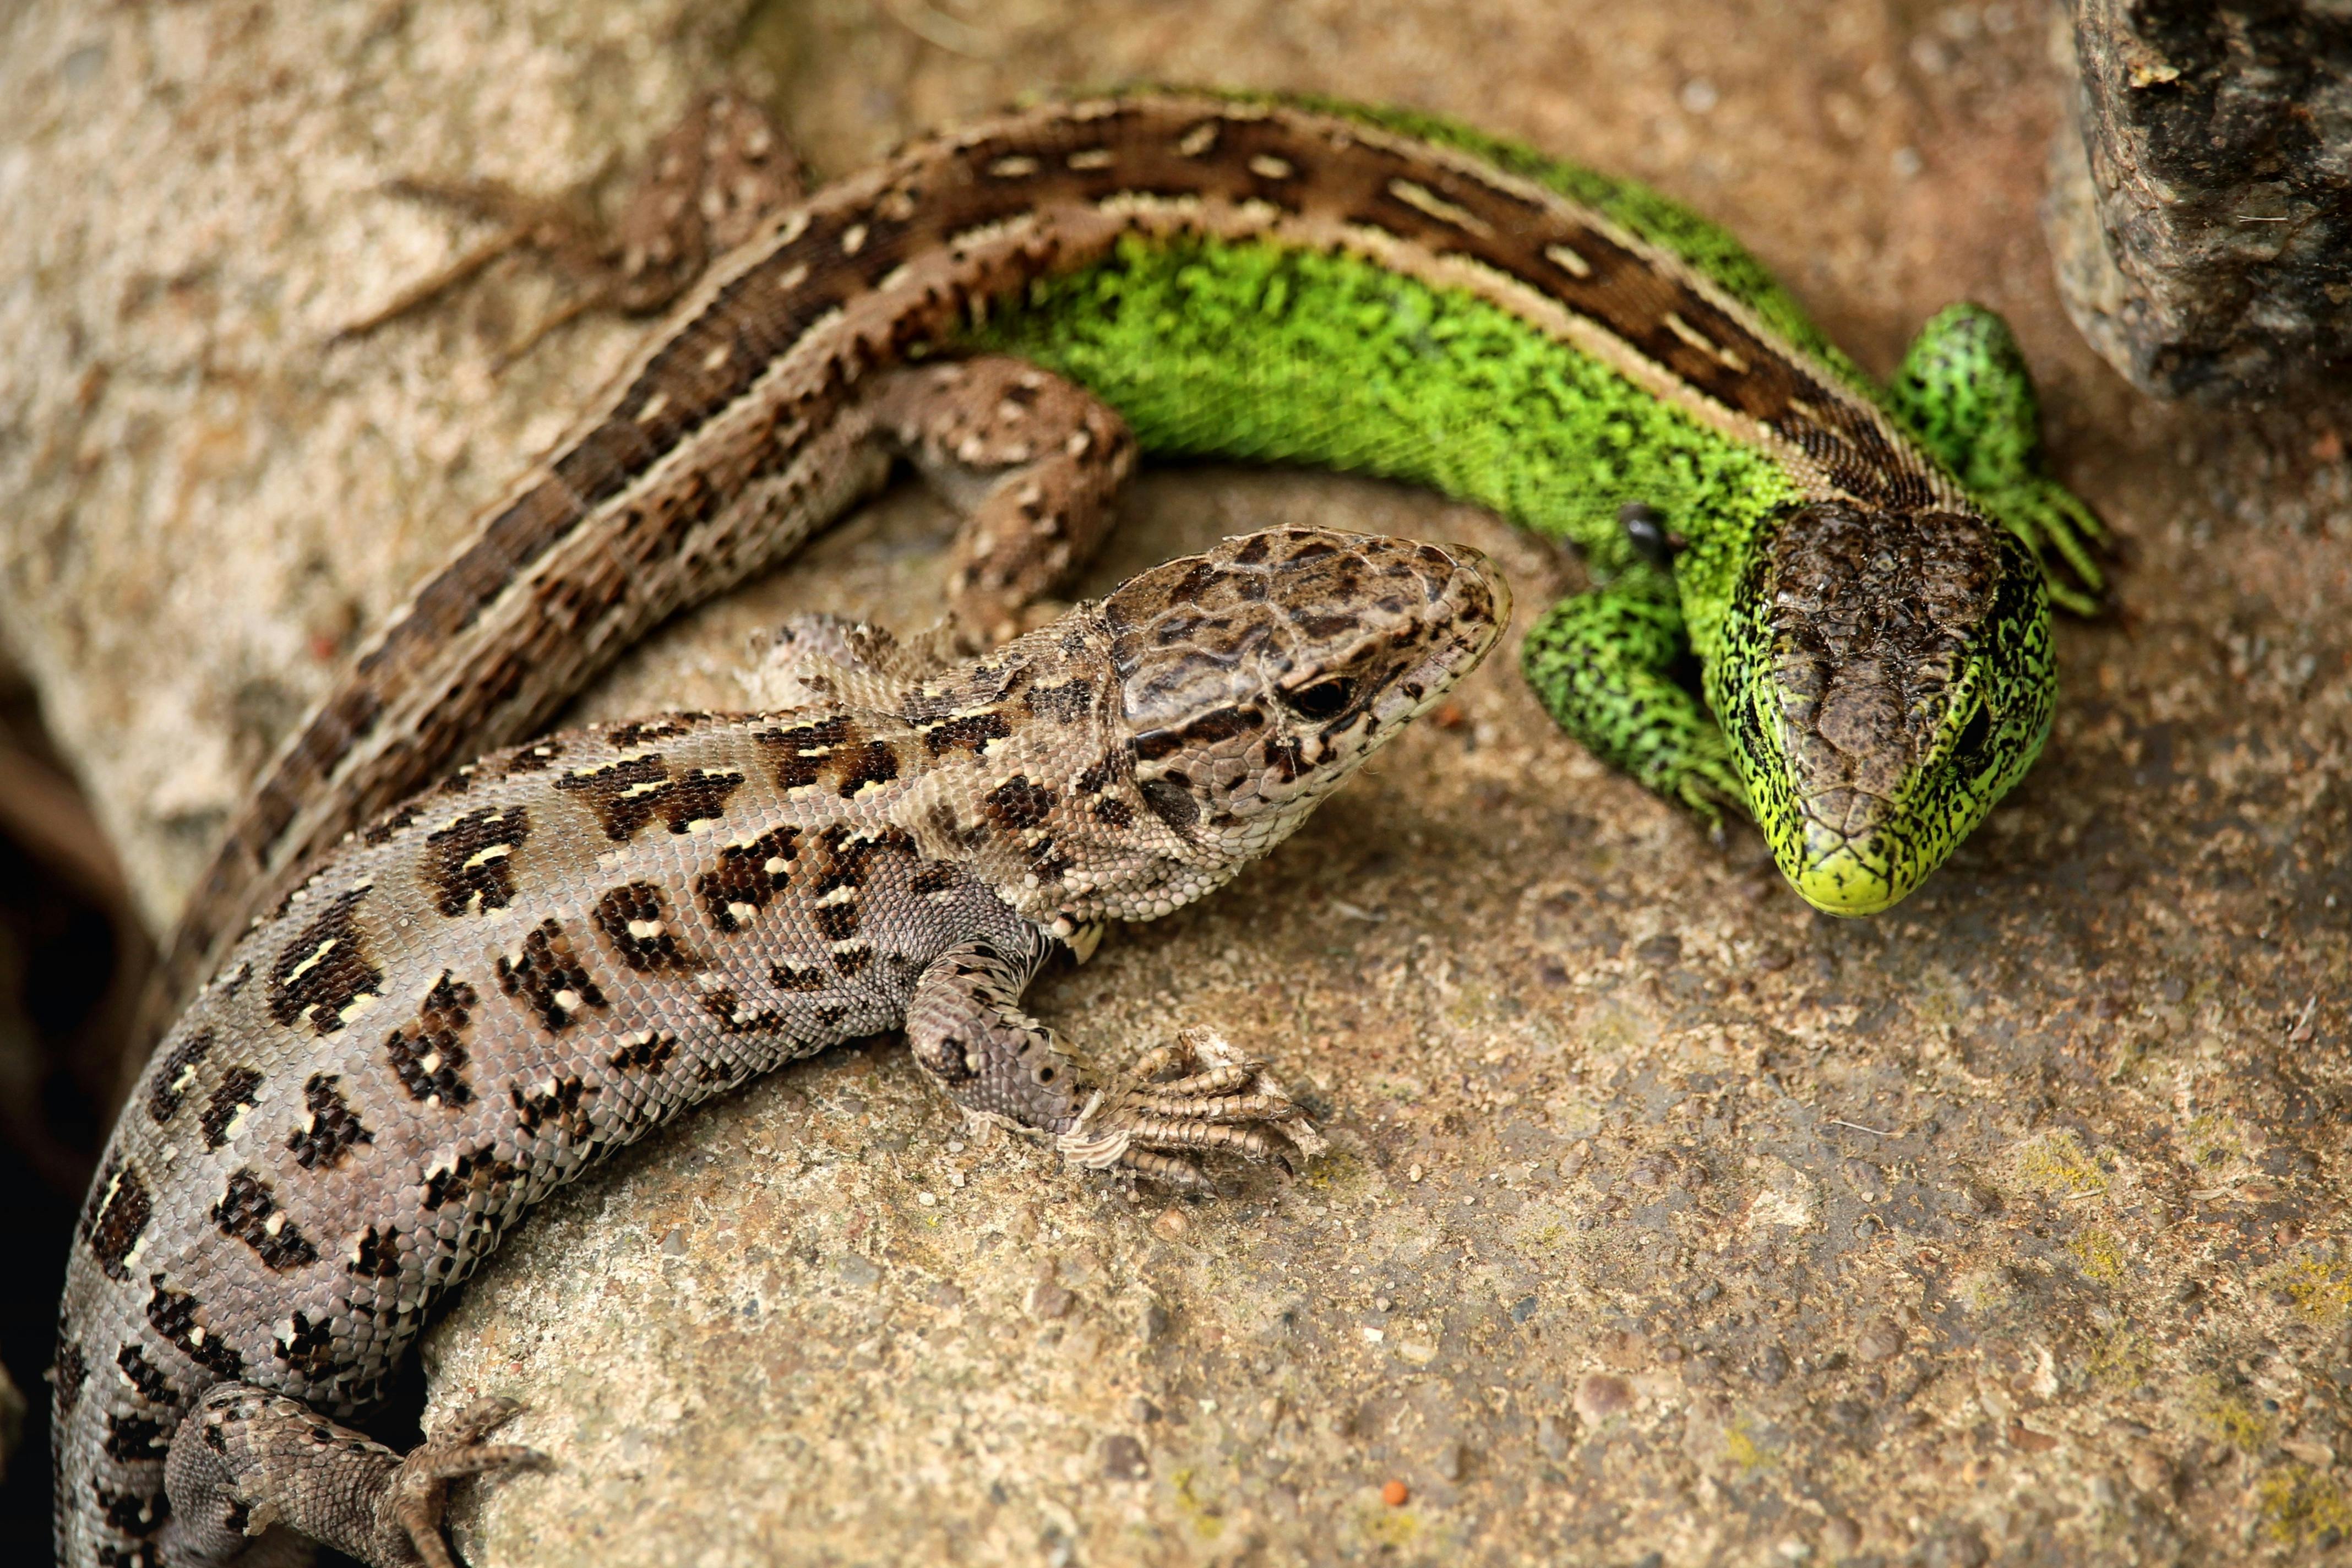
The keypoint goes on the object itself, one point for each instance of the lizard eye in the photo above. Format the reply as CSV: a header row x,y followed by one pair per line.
x,y
1323,700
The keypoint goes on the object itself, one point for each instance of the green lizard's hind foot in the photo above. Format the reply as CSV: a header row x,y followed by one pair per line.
x,y
1964,390
1602,664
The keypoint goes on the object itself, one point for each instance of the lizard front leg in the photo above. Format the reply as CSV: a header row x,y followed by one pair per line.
x,y
245,1459
1603,664
1964,390
967,1029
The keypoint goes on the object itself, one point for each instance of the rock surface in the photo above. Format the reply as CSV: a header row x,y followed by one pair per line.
x,y
2200,206
1669,1223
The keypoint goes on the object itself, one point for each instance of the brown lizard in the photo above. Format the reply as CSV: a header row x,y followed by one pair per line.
x,y
571,941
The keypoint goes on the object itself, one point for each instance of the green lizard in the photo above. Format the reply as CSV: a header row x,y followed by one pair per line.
x,y
1861,575
1278,352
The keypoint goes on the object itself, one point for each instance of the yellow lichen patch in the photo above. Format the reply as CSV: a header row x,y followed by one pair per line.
x,y
1740,1446
1390,1526
1206,1517
2299,1504
2122,1360
2058,1165
2229,1419
2321,1291
2101,1257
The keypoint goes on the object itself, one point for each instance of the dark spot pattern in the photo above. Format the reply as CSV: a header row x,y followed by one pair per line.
x,y
935,877
837,922
699,796
635,920
535,759
72,1371
1063,704
333,1129
478,1179
173,1314
429,1054
309,1348
133,1438
143,1374
119,1224
875,762
326,969
639,731
1113,811
248,1211
545,973
376,1255
732,1017
384,829
169,1087
239,1087
846,856
560,1108
747,875
784,977
469,865
646,1054
800,753
967,731
1017,804
625,795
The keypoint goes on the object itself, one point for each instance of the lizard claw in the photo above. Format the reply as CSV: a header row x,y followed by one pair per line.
x,y
1198,1095
420,1488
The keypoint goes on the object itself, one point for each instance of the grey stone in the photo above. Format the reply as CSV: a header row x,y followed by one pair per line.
x,y
2200,202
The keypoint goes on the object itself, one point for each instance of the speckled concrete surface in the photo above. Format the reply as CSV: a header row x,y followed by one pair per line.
x,y
1668,1222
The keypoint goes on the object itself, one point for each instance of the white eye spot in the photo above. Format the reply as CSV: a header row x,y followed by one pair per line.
x,y
1198,140
1568,261
1265,165
567,999
646,931
853,240
718,356
1013,168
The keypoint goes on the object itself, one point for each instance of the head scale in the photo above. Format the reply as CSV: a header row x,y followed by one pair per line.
x,y
1258,676
1885,678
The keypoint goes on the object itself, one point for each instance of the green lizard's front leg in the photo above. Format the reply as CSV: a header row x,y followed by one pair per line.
x,y
1603,664
1964,390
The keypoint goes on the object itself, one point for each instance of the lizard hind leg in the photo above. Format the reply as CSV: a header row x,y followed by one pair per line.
x,y
1964,390
245,1459
1603,664
967,1029
1034,461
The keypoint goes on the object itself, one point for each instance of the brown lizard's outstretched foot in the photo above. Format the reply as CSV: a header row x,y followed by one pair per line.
x,y
1198,1095
419,1490
706,186
245,1459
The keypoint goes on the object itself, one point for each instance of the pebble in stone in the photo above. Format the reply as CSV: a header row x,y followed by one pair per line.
x,y
1879,1340
1599,1396
1123,1459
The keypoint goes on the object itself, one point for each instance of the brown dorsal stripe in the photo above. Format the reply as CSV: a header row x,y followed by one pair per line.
x,y
891,259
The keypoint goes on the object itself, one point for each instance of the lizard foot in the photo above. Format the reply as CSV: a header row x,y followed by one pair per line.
x,y
419,1490
1195,1097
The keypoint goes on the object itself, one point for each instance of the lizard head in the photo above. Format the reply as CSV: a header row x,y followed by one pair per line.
x,y
1258,676
1885,678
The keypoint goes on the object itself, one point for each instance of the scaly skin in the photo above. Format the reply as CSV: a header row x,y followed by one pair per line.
x,y
513,976
1307,283
1274,354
